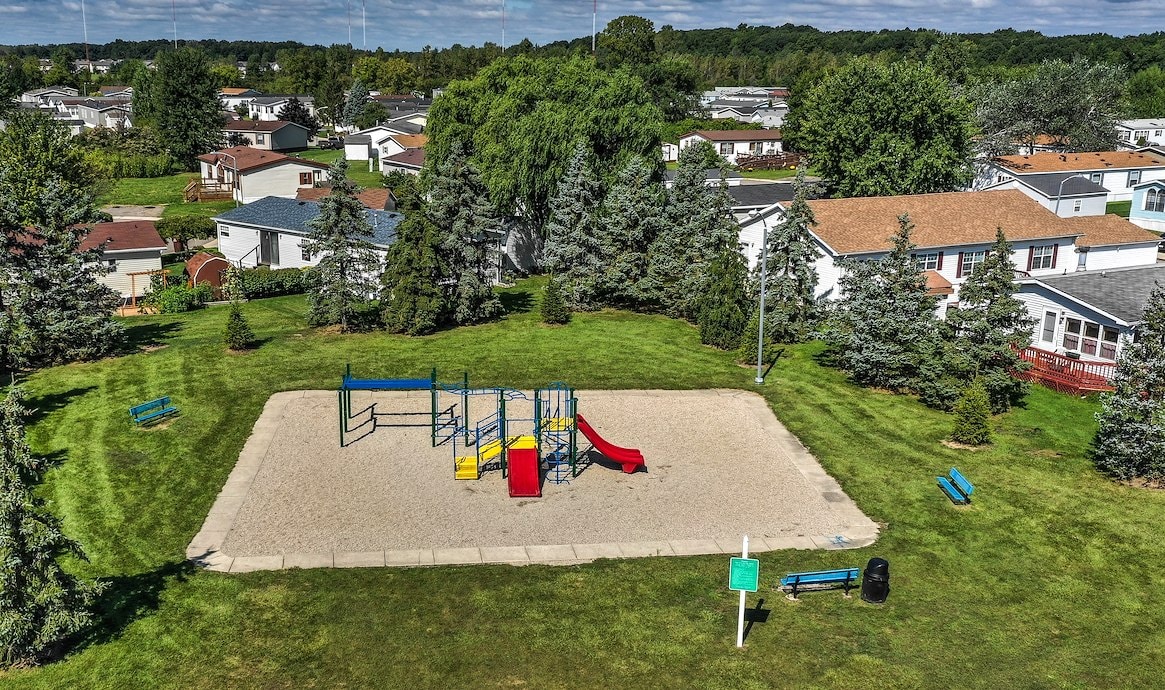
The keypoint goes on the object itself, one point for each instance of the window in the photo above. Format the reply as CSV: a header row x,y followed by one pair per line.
x,y
304,253
725,149
929,262
968,261
1155,200
1134,178
1040,258
260,138
224,231
1156,133
111,264
1096,178
305,178
1076,206
1091,339
1048,332
755,148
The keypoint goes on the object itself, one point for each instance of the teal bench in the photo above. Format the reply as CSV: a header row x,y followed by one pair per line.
x,y
152,411
821,579
957,488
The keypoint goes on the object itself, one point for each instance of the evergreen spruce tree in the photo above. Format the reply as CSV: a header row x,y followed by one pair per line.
x,y
55,310
555,310
991,326
1131,439
355,104
722,314
573,252
412,299
790,299
699,223
884,326
632,217
973,416
470,229
348,265
239,335
41,605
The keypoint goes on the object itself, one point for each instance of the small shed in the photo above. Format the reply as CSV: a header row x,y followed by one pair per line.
x,y
357,147
206,268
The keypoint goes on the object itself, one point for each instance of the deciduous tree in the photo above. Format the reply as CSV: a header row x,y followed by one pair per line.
x,y
181,100
295,111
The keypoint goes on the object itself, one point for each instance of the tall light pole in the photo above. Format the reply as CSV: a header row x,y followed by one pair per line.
x,y
1060,191
764,271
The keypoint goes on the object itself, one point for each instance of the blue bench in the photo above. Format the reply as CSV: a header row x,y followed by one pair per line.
x,y
821,579
957,488
152,411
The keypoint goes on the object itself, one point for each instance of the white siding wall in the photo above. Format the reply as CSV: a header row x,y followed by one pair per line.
x,y
291,251
131,262
1115,181
1121,256
1040,300
1149,224
277,180
356,152
238,243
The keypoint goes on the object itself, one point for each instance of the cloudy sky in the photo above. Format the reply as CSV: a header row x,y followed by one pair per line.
x,y
410,24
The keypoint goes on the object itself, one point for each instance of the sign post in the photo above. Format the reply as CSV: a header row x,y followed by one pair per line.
x,y
744,576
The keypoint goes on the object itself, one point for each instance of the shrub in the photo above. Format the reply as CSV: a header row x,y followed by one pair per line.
x,y
746,351
263,282
554,307
177,298
182,229
118,165
973,416
239,335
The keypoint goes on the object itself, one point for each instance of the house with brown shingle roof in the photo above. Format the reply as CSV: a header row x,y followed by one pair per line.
x,y
251,174
737,142
268,135
1117,171
953,232
132,251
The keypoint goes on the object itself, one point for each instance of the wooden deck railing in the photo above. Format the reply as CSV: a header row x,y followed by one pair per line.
x,y
203,190
1066,374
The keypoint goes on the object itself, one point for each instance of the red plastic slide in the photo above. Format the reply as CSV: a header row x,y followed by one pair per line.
x,y
630,458
523,463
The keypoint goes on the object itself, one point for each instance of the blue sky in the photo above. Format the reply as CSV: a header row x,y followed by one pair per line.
x,y
410,24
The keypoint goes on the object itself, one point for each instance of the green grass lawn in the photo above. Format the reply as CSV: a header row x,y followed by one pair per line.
x,y
1052,579
201,208
1119,208
357,170
146,191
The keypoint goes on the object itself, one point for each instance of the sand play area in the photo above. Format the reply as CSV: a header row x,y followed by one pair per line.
x,y
719,465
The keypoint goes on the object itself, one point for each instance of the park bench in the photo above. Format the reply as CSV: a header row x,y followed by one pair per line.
x,y
152,410
957,488
820,579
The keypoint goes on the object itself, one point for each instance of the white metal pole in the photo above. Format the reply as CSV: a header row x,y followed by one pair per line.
x,y
740,617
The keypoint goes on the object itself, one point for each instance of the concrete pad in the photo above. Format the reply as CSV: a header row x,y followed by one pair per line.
x,y
206,540
218,522
247,564
404,557
781,543
307,560
358,559
426,557
694,547
460,556
829,542
504,554
643,549
551,553
590,552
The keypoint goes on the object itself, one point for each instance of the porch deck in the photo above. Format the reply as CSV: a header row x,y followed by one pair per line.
x,y
207,190
1065,374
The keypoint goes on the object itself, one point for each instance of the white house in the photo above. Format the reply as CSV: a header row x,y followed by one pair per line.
x,y
132,253
48,94
272,231
953,232
1144,132
737,142
772,116
113,113
269,107
1117,171
232,97
408,161
382,141
253,174
1089,316
1064,194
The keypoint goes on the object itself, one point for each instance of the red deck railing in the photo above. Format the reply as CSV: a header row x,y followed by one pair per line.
x,y
1066,374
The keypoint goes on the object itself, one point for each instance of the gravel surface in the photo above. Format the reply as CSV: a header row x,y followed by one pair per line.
x,y
717,467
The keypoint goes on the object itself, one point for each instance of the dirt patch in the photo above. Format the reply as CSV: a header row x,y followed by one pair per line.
x,y
961,446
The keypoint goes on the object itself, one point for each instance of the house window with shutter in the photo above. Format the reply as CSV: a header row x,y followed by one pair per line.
x,y
1155,200
1041,258
1076,206
928,262
305,178
968,261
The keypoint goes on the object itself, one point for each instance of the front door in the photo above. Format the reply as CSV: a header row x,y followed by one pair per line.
x,y
268,248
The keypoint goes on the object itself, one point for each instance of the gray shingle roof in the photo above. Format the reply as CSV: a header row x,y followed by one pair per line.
x,y
1122,293
760,195
1048,184
293,216
709,174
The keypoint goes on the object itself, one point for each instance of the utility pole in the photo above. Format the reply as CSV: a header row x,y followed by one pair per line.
x,y
174,18
349,23
364,21
503,27
594,26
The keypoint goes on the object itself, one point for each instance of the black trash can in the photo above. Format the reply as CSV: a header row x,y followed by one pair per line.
x,y
876,581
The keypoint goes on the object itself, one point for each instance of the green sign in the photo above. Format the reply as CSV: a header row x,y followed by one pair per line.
x,y
744,574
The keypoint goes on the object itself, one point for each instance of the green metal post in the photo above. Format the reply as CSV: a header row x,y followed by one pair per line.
x,y
538,421
502,430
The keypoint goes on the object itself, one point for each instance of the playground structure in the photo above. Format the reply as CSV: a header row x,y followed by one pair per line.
x,y
520,447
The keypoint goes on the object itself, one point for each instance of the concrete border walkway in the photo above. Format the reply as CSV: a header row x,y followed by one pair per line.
x,y
206,548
